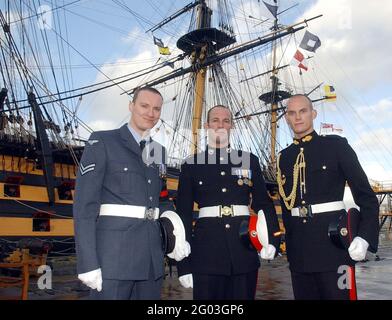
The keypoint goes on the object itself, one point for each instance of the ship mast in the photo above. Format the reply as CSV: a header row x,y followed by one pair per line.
x,y
44,148
203,21
274,97
274,104
203,45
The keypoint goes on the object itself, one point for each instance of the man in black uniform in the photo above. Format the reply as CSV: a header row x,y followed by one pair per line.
x,y
312,174
116,208
221,180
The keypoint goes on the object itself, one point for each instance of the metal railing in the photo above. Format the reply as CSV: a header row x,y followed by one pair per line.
x,y
381,186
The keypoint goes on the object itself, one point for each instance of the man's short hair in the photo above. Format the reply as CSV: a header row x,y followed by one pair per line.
x,y
219,106
146,88
304,96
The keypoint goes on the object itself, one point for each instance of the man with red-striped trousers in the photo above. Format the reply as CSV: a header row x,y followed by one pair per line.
x,y
323,243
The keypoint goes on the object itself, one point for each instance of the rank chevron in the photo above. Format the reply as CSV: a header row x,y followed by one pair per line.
x,y
85,169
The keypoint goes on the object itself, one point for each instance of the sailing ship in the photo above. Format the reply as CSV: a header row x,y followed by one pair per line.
x,y
40,139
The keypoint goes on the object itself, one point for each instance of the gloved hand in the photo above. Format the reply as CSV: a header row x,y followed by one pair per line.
x,y
92,279
181,251
182,248
358,248
268,252
186,280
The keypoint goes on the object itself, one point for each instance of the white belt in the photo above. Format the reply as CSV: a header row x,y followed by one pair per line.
x,y
121,210
317,208
223,211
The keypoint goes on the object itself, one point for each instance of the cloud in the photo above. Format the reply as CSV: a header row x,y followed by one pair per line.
x,y
355,40
110,105
135,33
378,137
102,124
379,113
377,172
108,109
354,58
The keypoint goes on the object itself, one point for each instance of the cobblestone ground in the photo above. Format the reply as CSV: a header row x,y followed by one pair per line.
x,y
374,280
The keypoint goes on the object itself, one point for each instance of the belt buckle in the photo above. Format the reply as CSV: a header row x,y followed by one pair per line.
x,y
305,211
149,214
226,211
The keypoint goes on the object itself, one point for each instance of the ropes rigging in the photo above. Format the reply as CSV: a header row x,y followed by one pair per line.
x,y
48,56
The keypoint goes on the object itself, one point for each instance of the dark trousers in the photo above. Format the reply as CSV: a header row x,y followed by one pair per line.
x,y
129,290
218,287
324,285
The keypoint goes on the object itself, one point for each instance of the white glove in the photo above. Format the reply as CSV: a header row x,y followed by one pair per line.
x,y
92,279
182,248
186,280
181,251
268,253
358,248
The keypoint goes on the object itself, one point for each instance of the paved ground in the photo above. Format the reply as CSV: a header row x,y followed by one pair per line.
x,y
374,279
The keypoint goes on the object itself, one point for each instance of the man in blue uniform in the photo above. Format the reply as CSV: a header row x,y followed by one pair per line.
x,y
116,208
312,175
223,182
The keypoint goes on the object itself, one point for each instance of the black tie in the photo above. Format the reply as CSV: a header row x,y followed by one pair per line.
x,y
142,144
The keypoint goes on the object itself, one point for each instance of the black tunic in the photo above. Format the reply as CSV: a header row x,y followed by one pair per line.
x,y
330,163
210,179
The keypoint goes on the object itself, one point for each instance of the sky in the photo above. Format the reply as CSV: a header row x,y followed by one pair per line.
x,y
354,57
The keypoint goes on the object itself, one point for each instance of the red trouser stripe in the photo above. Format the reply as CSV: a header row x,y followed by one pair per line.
x,y
353,284
353,287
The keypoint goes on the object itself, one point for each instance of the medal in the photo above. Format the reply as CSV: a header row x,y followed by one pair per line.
x,y
245,173
162,170
250,183
240,182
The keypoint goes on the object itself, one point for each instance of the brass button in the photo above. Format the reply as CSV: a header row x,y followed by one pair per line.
x,y
227,226
324,167
302,149
223,173
150,198
224,190
221,158
200,182
304,221
125,169
344,232
149,181
303,201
